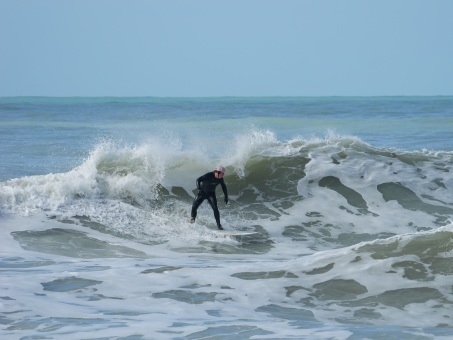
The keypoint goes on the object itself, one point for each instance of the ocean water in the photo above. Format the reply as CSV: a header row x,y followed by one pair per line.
x,y
351,199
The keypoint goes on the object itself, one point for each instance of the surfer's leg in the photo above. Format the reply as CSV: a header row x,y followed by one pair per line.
x,y
196,203
213,202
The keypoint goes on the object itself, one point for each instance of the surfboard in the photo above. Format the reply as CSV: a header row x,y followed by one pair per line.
x,y
232,232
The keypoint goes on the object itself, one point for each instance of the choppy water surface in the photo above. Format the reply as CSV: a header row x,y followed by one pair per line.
x,y
350,198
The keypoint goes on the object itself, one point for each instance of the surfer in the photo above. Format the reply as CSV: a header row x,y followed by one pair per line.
x,y
206,186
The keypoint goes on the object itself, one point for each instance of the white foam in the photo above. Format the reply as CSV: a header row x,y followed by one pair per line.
x,y
117,187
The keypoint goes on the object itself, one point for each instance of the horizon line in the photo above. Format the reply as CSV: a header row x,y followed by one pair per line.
x,y
227,96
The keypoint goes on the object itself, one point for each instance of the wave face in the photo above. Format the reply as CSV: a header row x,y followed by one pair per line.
x,y
337,181
352,239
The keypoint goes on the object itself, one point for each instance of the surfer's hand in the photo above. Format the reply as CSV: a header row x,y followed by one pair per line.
x,y
226,199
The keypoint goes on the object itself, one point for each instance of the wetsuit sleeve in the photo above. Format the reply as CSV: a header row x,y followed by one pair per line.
x,y
224,188
201,179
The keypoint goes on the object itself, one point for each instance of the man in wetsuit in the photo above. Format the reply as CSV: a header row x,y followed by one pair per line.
x,y
206,186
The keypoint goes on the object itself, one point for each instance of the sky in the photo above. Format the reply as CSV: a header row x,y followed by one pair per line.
x,y
208,48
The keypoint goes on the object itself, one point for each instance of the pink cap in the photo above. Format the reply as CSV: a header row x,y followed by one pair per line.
x,y
220,168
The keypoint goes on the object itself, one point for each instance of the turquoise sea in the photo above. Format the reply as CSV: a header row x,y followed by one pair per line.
x,y
351,199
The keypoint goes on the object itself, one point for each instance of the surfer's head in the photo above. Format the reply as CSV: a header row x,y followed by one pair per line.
x,y
219,168
220,171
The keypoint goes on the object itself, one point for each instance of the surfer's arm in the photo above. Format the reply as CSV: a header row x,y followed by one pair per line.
x,y
224,189
200,180
198,183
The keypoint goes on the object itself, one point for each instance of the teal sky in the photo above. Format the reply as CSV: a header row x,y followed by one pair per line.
x,y
226,48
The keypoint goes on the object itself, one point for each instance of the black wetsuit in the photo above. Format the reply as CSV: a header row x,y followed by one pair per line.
x,y
206,186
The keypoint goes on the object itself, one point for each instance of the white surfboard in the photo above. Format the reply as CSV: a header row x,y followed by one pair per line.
x,y
232,232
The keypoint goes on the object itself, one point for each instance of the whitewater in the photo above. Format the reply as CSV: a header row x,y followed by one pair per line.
x,y
350,199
